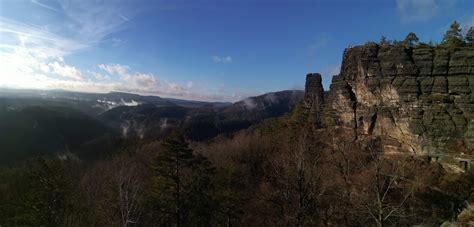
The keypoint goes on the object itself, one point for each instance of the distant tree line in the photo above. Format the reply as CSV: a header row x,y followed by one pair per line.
x,y
452,38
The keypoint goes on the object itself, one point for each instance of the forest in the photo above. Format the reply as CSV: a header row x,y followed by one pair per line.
x,y
283,172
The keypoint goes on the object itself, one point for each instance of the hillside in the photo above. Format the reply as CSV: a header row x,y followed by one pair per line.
x,y
151,122
31,131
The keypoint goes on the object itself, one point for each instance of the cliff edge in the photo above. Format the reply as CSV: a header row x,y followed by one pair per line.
x,y
418,99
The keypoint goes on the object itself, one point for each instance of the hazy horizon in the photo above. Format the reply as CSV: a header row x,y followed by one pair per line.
x,y
207,51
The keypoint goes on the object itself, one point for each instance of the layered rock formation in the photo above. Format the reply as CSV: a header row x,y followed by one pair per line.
x,y
314,96
418,99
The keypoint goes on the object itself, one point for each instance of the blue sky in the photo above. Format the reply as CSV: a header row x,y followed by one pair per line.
x,y
222,50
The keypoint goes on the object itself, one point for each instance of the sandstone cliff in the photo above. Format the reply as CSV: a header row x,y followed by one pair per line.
x,y
418,99
314,97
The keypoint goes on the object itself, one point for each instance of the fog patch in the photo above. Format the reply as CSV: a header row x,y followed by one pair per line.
x,y
249,103
125,127
131,103
132,128
163,123
106,104
271,98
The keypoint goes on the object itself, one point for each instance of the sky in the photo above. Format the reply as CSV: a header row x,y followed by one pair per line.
x,y
210,50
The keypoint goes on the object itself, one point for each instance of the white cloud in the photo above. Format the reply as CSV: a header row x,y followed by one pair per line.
x,y
421,10
140,81
132,81
224,59
64,70
44,68
115,69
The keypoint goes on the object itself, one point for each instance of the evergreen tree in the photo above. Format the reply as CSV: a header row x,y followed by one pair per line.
x,y
200,204
384,41
453,36
170,166
470,35
50,197
410,39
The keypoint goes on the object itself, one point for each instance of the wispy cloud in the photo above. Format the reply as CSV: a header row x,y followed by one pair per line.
x,y
421,10
124,17
93,20
115,69
45,6
147,83
35,56
36,39
32,55
223,59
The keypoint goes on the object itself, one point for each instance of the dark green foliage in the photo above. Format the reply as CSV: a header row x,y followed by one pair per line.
x,y
383,41
199,204
182,184
33,131
411,39
470,36
47,196
453,36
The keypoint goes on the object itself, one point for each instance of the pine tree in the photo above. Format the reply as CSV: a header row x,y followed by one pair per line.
x,y
50,194
384,41
410,39
170,166
470,35
200,203
453,36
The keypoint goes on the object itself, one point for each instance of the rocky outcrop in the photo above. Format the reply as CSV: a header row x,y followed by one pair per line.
x,y
314,96
419,99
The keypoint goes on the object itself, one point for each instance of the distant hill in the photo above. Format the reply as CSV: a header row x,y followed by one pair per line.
x,y
149,121
34,123
27,131
97,103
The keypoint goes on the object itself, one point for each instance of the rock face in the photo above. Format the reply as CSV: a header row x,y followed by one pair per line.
x,y
314,96
419,99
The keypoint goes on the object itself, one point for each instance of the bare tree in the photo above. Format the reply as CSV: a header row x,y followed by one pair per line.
x,y
127,186
295,182
346,160
385,192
